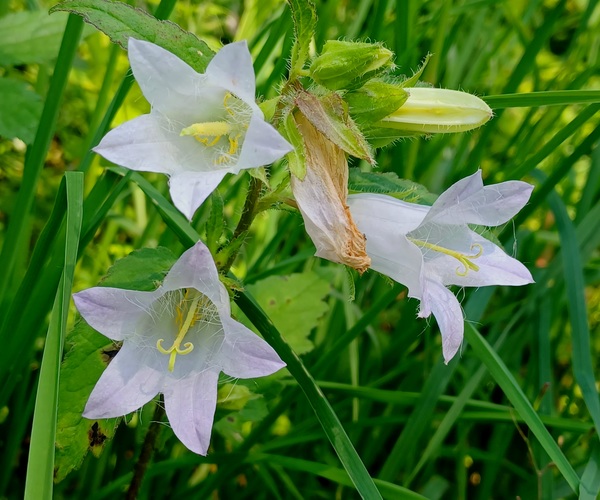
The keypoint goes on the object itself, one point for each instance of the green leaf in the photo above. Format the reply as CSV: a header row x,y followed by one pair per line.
x,y
120,22
88,355
389,183
305,22
294,304
40,467
30,37
20,110
329,115
545,98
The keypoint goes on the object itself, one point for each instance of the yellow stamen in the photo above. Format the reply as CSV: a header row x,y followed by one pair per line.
x,y
465,260
190,319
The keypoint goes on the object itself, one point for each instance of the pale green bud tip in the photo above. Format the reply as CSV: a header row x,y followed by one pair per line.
x,y
434,111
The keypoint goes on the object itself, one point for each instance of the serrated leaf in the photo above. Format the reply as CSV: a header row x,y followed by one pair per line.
x,y
120,22
329,115
87,357
390,184
294,303
30,37
142,269
20,110
304,16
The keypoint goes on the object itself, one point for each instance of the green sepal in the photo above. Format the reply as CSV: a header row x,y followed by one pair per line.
x,y
260,173
412,81
120,22
347,65
380,137
329,115
297,157
375,100
304,16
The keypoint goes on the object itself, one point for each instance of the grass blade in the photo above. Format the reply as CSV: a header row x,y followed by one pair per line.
x,y
514,393
40,468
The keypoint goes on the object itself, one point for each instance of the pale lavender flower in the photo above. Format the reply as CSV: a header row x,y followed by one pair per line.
x,y
429,248
176,341
201,126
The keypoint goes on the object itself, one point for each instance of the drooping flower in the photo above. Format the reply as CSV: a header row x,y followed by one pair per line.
x,y
321,198
176,341
429,248
201,126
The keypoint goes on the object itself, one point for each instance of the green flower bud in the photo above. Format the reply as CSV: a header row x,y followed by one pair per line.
x,y
433,111
375,100
344,65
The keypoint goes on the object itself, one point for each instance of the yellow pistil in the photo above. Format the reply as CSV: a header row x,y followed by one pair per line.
x,y
465,260
190,318
210,133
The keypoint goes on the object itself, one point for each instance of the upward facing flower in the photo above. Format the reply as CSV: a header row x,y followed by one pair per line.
x,y
176,340
427,248
201,126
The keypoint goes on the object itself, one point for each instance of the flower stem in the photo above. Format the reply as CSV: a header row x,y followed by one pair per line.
x,y
147,451
248,213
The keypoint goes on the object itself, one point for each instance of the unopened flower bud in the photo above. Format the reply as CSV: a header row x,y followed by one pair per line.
x,y
375,100
344,65
433,111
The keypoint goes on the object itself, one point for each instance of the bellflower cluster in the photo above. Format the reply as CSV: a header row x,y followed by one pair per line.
x,y
428,248
201,126
176,341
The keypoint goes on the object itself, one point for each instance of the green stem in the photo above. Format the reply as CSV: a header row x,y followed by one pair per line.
x,y
248,213
147,451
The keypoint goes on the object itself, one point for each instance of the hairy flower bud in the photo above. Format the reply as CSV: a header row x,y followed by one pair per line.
x,y
344,65
433,111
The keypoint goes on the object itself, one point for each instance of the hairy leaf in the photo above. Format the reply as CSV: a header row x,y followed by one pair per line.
x,y
120,22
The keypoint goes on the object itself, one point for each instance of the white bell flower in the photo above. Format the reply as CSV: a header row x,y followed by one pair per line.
x,y
176,341
201,127
429,248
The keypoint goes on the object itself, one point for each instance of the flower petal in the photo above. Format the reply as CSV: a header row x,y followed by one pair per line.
x,y
169,84
262,145
448,313
196,269
495,267
387,214
244,354
150,144
127,384
469,202
190,189
190,404
113,312
232,69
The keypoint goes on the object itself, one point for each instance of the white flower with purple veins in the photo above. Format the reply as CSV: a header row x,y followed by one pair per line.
x,y
201,126
176,341
429,248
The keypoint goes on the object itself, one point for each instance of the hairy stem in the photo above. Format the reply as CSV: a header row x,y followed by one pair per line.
x,y
147,451
247,217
